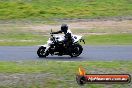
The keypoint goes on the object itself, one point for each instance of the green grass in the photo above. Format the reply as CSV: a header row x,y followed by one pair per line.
x,y
62,74
34,39
48,9
21,39
109,39
59,67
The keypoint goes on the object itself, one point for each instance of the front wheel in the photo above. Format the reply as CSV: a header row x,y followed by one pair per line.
x,y
41,52
76,50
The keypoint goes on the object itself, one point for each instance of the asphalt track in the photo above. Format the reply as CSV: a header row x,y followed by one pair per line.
x,y
98,53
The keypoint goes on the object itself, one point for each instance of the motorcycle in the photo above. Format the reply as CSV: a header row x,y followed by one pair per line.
x,y
56,46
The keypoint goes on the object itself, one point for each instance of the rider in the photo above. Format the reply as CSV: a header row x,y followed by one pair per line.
x,y
67,32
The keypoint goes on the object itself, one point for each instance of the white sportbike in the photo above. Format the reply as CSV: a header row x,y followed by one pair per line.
x,y
57,46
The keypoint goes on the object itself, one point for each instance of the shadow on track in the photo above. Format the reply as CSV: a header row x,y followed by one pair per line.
x,y
62,58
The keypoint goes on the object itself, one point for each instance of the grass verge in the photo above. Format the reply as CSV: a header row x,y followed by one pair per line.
x,y
32,9
109,39
55,74
33,39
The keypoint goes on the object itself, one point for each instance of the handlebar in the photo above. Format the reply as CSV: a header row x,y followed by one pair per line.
x,y
53,39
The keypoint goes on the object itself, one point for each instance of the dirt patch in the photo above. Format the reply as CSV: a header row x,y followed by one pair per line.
x,y
85,25
82,26
23,79
107,26
90,27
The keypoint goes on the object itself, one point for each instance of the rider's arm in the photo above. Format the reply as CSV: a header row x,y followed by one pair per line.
x,y
57,32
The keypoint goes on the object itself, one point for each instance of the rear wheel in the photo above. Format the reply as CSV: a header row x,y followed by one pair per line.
x,y
76,50
41,52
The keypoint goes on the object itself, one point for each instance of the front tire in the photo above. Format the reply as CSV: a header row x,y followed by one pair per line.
x,y
76,50
41,52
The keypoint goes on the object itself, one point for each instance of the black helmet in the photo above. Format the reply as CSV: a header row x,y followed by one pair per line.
x,y
64,27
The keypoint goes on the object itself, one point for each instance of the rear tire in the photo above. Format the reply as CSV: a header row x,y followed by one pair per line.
x,y
41,52
76,50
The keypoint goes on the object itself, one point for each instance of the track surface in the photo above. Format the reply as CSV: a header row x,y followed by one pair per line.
x,y
107,53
